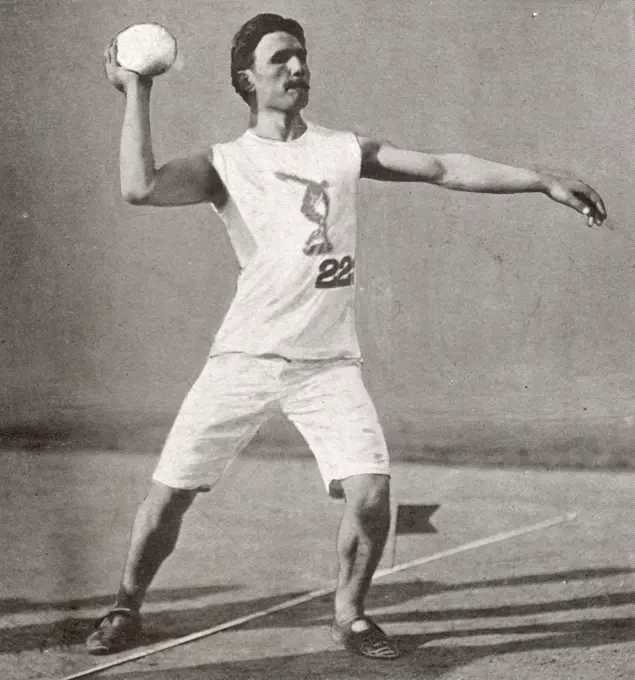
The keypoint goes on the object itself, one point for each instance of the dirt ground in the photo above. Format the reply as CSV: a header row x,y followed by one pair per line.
x,y
557,603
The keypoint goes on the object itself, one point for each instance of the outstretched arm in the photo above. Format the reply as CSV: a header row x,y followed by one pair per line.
x,y
183,181
462,172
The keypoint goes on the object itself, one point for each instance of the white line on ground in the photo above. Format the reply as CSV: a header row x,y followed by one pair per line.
x,y
314,594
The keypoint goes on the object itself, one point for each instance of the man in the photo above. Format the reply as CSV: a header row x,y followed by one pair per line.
x,y
286,191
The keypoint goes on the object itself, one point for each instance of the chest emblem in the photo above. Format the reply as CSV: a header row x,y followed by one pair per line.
x,y
315,207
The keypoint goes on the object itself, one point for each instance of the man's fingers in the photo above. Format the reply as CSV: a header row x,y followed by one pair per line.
x,y
586,210
599,204
113,51
589,203
110,55
578,204
581,197
593,199
111,65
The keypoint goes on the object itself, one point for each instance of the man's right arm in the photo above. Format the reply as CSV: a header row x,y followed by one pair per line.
x,y
183,181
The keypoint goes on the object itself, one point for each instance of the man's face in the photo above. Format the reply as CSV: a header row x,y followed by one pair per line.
x,y
279,74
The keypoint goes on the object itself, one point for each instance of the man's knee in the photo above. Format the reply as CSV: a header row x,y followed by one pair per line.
x,y
368,497
166,505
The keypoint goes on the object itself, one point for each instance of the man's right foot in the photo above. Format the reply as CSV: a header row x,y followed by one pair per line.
x,y
363,636
119,629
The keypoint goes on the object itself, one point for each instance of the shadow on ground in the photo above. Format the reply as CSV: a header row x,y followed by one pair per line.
x,y
70,631
19,605
421,657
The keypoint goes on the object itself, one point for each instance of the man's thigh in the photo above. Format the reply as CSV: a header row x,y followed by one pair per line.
x,y
333,411
220,414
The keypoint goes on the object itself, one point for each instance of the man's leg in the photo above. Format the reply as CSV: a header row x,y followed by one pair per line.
x,y
218,417
330,406
154,535
360,544
360,541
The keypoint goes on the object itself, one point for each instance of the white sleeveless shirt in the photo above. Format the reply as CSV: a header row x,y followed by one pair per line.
x,y
291,218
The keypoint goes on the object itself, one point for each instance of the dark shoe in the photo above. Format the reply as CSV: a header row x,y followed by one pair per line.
x,y
372,642
119,629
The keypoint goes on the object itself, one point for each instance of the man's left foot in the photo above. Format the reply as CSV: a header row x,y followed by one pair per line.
x,y
363,636
119,629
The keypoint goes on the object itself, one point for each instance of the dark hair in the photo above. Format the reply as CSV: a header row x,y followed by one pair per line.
x,y
247,38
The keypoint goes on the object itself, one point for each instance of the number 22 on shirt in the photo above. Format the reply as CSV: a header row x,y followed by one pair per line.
x,y
335,273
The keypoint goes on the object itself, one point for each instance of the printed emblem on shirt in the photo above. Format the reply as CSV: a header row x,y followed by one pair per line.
x,y
315,207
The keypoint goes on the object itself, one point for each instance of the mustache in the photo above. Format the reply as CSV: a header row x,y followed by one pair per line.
x,y
297,83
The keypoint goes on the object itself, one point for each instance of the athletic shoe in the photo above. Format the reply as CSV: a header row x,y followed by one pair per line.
x,y
119,629
371,642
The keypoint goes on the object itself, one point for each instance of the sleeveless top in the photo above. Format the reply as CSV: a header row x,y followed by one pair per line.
x,y
291,218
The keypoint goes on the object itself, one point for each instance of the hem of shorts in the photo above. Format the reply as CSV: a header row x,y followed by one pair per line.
x,y
215,352
364,471
182,485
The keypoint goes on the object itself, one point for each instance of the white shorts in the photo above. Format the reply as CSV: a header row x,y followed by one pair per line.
x,y
236,393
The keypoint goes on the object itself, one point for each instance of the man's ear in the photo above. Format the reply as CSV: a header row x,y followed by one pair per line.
x,y
245,80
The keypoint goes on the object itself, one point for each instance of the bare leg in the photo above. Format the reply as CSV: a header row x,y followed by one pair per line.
x,y
154,534
361,540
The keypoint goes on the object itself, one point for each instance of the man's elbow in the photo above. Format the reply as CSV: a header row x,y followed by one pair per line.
x,y
135,199
455,171
438,173
136,196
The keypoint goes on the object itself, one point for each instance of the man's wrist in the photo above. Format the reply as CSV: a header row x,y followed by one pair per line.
x,y
138,85
544,182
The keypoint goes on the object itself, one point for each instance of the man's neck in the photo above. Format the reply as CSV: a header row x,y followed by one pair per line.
x,y
277,125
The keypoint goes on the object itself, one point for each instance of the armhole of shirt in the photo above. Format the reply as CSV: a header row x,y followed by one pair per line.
x,y
356,153
216,158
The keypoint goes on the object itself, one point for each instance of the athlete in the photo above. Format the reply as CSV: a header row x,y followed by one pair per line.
x,y
286,191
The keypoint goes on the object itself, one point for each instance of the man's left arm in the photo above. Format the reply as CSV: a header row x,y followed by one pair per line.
x,y
462,172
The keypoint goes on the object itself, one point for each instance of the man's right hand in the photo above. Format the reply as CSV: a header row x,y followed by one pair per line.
x,y
118,75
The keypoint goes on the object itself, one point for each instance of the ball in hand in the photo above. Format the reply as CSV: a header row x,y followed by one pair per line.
x,y
148,49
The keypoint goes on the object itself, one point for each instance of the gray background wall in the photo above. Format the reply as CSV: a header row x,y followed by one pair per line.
x,y
493,328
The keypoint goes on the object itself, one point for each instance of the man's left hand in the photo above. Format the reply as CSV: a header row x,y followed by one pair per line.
x,y
579,196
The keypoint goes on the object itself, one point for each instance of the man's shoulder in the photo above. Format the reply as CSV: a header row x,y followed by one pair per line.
x,y
346,140
328,131
235,141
